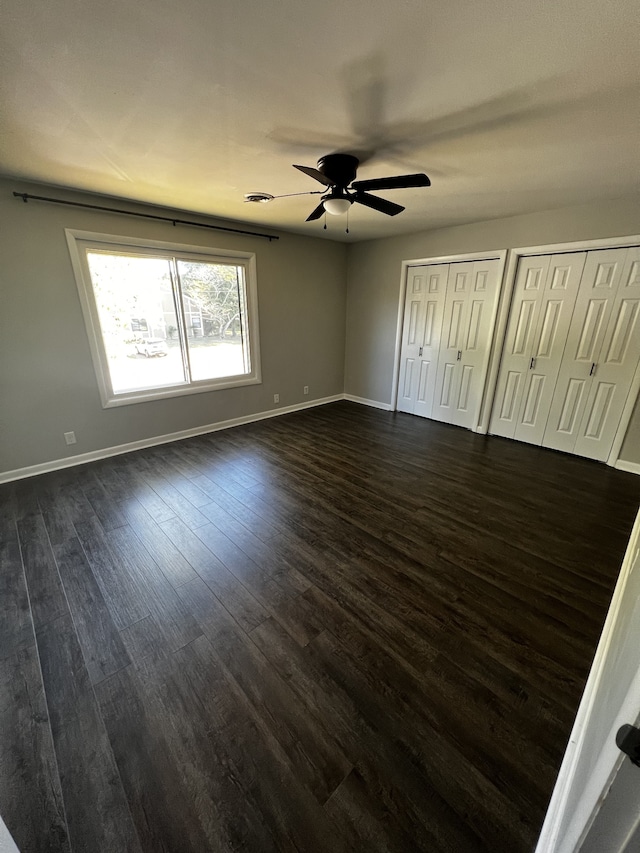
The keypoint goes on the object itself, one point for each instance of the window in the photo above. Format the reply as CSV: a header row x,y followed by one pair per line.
x,y
164,319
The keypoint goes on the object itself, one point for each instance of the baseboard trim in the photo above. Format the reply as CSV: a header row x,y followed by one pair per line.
x,y
631,467
375,404
106,452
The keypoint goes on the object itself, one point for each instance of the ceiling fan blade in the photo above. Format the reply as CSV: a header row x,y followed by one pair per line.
x,y
316,214
380,204
399,182
314,173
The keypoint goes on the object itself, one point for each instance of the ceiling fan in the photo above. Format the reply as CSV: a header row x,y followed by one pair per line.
x,y
337,172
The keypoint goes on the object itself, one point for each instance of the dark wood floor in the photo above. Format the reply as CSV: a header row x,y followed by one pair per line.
x,y
337,630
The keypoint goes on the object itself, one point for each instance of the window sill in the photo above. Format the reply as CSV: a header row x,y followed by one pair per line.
x,y
144,396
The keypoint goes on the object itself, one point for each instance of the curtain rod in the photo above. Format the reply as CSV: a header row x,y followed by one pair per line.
x,y
26,196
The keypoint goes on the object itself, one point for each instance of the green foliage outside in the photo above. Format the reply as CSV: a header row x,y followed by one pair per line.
x,y
215,288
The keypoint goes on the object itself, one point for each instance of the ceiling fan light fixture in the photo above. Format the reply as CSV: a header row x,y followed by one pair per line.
x,y
337,206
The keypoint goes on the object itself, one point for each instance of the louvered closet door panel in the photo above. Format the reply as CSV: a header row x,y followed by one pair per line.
x,y
456,308
424,305
591,317
521,329
615,367
554,318
476,341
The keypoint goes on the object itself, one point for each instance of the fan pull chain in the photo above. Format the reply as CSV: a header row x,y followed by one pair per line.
x,y
347,228
324,227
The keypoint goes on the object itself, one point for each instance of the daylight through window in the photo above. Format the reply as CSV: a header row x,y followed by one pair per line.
x,y
165,320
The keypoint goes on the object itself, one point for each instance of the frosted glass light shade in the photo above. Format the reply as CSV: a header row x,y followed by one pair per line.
x,y
337,206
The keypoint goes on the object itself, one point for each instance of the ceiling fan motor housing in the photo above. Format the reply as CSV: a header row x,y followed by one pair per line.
x,y
337,171
340,169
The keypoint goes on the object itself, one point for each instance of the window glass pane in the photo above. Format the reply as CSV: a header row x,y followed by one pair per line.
x,y
214,310
138,320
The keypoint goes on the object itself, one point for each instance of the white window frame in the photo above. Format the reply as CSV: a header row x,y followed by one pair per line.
x,y
80,241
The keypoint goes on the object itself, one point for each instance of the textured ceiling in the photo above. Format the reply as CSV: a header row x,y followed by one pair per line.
x,y
509,106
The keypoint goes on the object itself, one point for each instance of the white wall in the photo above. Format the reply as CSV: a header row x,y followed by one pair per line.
x,y
374,282
47,381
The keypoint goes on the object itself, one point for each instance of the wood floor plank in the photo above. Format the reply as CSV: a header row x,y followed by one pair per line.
x,y
142,491
316,757
181,756
104,507
111,480
348,629
274,566
46,594
103,650
175,458
7,509
189,488
537,715
164,816
296,820
176,623
63,504
120,588
249,573
300,618
96,808
25,498
459,782
238,600
57,518
480,662
368,827
173,564
326,571
177,502
30,796
259,526
143,638
434,824
178,685
16,627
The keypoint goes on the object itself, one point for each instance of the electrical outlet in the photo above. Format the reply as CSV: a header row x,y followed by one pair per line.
x,y
276,398
305,390
70,437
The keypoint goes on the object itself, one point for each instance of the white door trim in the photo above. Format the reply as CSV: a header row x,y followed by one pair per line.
x,y
507,285
599,784
625,417
580,246
500,255
513,259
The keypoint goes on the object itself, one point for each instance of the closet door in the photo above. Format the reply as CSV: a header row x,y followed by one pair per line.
x,y
424,305
614,371
601,358
594,305
469,313
448,374
516,356
544,297
556,309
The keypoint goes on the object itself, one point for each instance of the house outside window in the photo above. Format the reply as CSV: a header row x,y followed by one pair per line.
x,y
166,319
139,325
